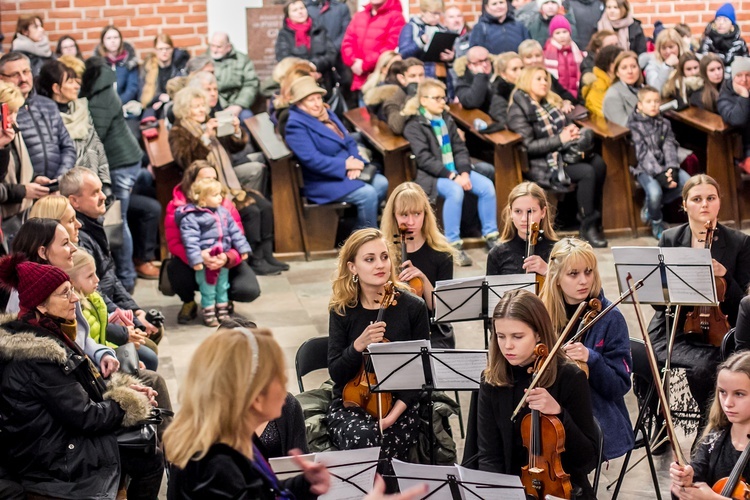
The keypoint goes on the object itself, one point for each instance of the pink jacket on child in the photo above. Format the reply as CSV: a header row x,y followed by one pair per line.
x,y
564,63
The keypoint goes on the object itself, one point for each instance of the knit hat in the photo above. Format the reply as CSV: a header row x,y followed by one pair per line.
x,y
558,22
727,10
740,65
303,87
34,282
539,3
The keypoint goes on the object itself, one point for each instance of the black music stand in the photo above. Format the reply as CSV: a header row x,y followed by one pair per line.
x,y
413,365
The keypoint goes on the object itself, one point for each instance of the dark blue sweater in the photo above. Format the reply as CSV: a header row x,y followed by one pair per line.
x,y
498,37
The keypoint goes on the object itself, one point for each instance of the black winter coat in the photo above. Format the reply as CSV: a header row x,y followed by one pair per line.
x,y
50,147
735,110
523,120
57,417
322,51
225,473
93,239
426,149
333,15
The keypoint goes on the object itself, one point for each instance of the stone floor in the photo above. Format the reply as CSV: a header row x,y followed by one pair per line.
x,y
294,306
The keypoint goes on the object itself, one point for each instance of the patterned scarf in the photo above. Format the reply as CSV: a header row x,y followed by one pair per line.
x,y
549,120
620,27
440,128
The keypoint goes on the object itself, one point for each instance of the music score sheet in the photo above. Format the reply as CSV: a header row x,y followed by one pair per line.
x,y
461,299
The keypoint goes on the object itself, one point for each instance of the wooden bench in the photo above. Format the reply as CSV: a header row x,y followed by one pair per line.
x,y
394,148
618,217
166,174
509,159
719,151
300,226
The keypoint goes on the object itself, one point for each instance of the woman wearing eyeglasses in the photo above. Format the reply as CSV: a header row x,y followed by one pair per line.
x,y
444,167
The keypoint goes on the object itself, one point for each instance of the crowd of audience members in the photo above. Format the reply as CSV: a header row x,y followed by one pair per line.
x,y
71,155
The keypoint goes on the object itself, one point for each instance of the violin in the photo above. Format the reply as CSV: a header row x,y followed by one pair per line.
x,y
709,320
594,308
532,238
544,437
357,391
416,284
735,486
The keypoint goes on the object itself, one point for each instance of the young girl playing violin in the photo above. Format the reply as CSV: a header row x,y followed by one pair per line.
x,y
429,255
363,268
725,437
730,250
573,278
527,204
519,322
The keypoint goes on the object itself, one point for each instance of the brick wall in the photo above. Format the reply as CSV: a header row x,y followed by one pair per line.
x,y
695,13
139,20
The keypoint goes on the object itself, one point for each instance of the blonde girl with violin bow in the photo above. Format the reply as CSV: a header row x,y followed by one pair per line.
x,y
423,251
604,351
363,270
730,250
719,464
519,322
527,235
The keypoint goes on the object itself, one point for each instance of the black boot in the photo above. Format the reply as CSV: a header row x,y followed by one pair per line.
x,y
259,264
267,246
589,230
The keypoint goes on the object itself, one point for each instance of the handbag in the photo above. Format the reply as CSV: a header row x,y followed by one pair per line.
x,y
336,101
579,150
127,355
368,172
142,436
113,225
165,286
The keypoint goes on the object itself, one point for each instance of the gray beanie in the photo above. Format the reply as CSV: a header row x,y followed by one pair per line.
x,y
740,65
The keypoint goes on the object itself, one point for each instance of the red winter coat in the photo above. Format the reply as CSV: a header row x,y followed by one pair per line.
x,y
172,230
370,35
564,64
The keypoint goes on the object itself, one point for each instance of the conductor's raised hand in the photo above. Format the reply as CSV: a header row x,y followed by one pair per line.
x,y
315,473
373,333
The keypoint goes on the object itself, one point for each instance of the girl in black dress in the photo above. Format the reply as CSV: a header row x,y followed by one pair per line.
x,y
509,255
519,322
364,267
429,255
726,435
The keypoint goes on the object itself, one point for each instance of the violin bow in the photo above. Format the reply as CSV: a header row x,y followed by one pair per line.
x,y
676,449
551,355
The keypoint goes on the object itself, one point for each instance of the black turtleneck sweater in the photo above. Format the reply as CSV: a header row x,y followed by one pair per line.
x,y
508,257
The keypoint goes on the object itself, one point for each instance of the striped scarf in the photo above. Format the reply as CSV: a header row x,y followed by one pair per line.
x,y
440,128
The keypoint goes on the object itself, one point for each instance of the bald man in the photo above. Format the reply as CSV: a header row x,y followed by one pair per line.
x,y
235,73
473,87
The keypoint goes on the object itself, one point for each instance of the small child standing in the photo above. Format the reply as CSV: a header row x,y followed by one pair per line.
x,y
562,57
723,37
657,169
206,225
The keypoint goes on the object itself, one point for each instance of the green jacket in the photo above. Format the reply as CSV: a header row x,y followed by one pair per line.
x,y
95,312
106,111
238,82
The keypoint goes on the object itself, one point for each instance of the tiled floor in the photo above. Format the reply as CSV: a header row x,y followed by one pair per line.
x,y
294,306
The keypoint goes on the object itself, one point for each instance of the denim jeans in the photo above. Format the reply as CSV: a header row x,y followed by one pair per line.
x,y
484,168
656,196
367,200
123,180
454,198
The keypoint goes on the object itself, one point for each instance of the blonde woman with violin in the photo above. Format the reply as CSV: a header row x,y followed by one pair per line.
x,y
527,205
519,323
363,270
604,350
730,250
410,220
724,443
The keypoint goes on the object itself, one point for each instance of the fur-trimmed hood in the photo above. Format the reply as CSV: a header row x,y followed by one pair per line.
x,y
461,63
380,94
21,345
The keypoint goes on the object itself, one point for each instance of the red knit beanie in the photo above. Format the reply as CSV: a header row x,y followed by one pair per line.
x,y
34,282
558,22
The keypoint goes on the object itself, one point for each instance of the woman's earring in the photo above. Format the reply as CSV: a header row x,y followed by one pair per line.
x,y
355,278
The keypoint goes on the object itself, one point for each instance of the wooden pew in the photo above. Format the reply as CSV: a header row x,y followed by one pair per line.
x,y
509,159
286,201
618,217
720,140
166,175
394,148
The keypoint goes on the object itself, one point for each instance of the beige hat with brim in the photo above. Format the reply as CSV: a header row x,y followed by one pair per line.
x,y
303,87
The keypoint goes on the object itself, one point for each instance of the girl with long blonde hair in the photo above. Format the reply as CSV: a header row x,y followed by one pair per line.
x,y
519,323
363,269
429,255
725,436
527,204
573,278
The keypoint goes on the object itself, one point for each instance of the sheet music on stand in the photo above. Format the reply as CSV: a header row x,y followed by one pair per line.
x,y
464,299
352,471
687,277
447,482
